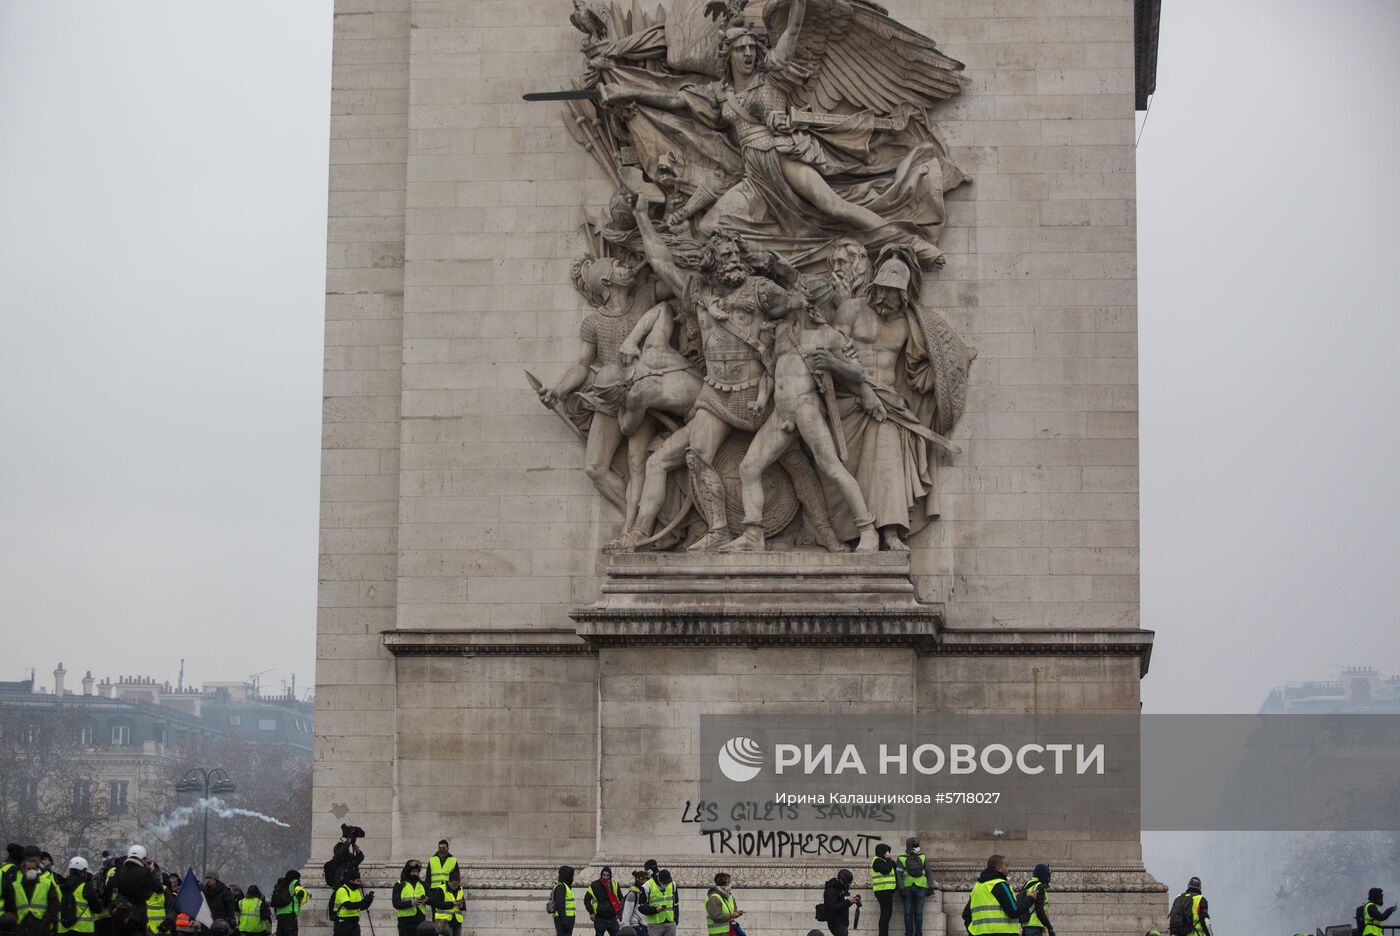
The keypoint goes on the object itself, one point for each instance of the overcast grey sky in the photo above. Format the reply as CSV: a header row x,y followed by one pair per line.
x,y
162,229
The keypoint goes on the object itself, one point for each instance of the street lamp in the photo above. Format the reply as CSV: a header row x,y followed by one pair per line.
x,y
210,782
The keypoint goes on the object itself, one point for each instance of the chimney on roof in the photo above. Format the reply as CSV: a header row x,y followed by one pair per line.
x,y
104,688
58,675
87,683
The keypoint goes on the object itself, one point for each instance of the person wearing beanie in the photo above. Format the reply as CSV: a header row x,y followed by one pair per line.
x,y
1189,911
912,879
661,899
35,896
1370,916
837,901
882,883
561,904
409,897
349,901
1035,896
288,899
449,903
603,901
721,913
992,906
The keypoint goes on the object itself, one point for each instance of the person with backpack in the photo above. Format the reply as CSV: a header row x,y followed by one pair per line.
x,y
561,902
253,914
721,914
883,885
603,901
912,881
79,904
1189,911
992,906
409,897
837,901
1035,897
348,902
632,901
288,899
448,903
1370,916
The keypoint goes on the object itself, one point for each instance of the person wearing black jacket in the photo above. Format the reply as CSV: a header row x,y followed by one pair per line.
x,y
80,900
993,879
562,900
348,902
9,870
1035,895
604,904
882,883
136,880
409,897
837,902
220,900
38,890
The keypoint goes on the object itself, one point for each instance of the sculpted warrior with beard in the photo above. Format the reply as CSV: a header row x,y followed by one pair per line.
x,y
917,367
732,305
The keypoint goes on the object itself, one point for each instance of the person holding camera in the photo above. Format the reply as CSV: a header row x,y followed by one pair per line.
x,y
837,901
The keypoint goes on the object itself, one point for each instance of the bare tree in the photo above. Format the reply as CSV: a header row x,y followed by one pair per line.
x,y
49,793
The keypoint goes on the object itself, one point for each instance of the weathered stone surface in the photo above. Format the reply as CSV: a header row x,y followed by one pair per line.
x,y
455,506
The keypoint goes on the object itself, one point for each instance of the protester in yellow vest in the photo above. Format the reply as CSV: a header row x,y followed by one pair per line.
x,y
440,864
410,898
253,913
1371,916
992,907
33,896
662,898
1035,894
883,884
348,902
448,904
912,880
289,898
561,904
1189,911
720,911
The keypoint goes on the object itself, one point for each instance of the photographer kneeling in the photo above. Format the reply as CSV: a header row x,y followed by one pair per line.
x,y
837,902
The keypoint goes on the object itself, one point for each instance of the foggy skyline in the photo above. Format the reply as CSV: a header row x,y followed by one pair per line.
x,y
164,244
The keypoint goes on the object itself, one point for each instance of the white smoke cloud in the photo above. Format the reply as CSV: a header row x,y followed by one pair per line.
x,y
182,816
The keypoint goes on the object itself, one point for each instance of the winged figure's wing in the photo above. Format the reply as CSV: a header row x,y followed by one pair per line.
x,y
692,39
860,57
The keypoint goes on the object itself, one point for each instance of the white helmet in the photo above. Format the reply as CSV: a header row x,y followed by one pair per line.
x,y
78,864
137,852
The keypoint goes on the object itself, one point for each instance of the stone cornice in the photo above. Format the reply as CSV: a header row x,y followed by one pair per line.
x,y
726,628
975,641
779,874
560,641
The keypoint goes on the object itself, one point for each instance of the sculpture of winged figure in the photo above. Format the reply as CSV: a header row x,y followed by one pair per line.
x,y
829,125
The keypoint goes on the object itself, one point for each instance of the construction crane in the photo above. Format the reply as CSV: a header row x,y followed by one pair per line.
x,y
256,678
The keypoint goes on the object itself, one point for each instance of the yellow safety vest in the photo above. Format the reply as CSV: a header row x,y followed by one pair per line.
x,y
84,921
566,911
36,905
1032,888
439,870
155,911
299,897
921,880
347,895
250,918
881,882
1373,926
410,889
987,914
452,913
663,899
1196,899
726,908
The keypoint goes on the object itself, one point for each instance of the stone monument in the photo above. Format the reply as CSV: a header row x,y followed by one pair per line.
x,y
792,371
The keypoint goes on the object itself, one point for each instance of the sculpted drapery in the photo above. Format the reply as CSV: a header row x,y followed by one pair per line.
x,y
781,190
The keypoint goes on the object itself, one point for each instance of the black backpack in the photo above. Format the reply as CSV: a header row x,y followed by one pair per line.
x,y
1180,923
914,865
281,895
1360,918
821,912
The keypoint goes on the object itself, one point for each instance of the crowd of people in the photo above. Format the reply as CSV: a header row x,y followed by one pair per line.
x,y
129,895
